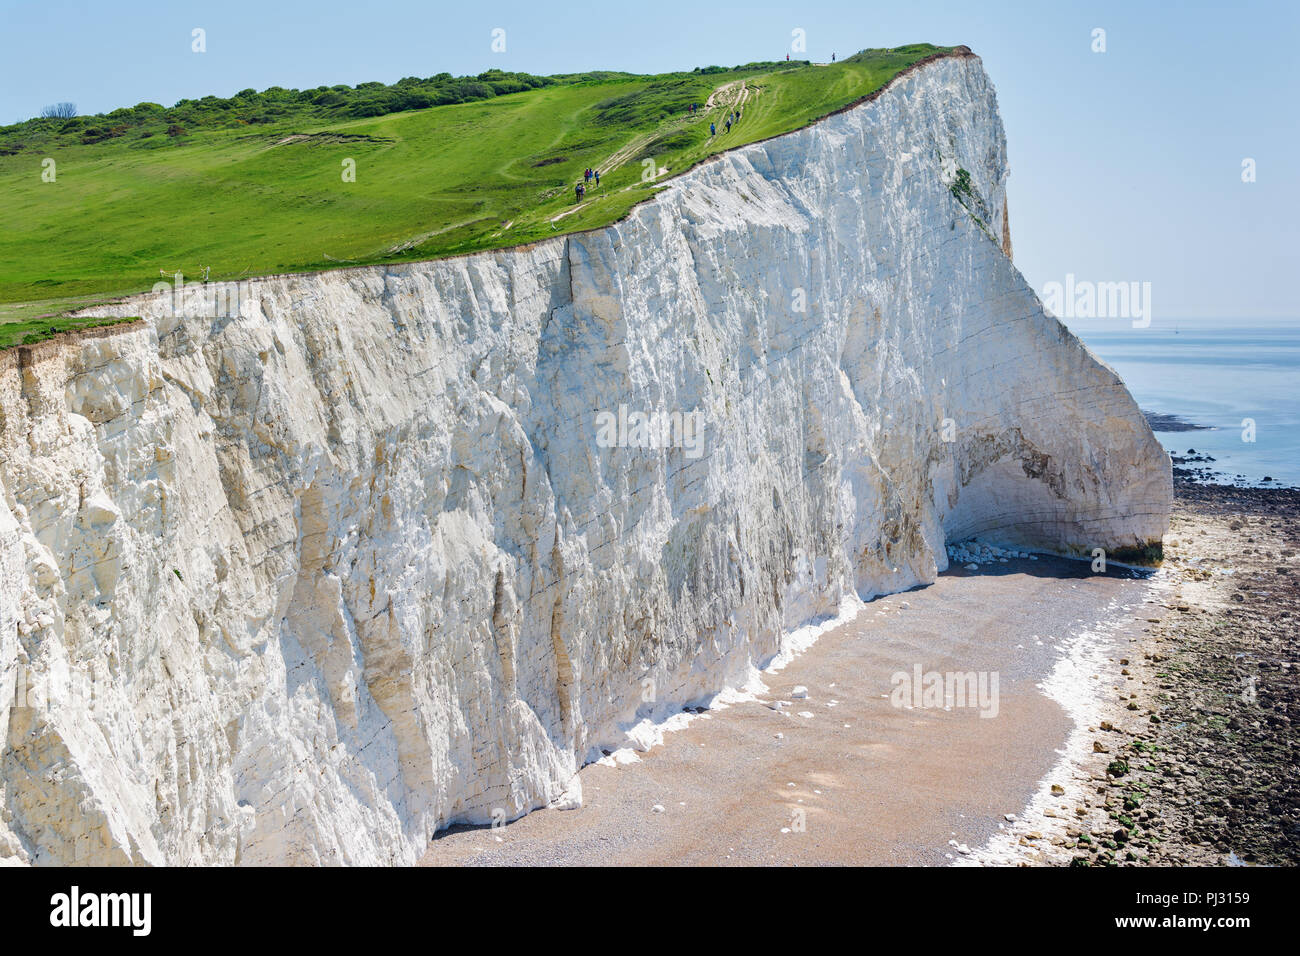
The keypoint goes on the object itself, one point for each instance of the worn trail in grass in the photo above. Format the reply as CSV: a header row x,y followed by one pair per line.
x,y
429,183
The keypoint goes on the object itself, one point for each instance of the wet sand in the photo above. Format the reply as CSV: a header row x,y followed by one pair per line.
x,y
1188,758
876,784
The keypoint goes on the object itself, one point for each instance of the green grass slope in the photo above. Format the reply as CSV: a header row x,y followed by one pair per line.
x,y
246,199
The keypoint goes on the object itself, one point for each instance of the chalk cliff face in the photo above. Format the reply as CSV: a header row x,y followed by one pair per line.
x,y
353,560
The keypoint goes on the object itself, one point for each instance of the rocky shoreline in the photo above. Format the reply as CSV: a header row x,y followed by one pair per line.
x,y
1213,779
1193,753
1192,467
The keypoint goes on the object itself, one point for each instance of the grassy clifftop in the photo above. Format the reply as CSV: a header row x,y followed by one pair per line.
x,y
244,197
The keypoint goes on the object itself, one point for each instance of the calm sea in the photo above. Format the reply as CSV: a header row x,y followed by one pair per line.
x,y
1215,373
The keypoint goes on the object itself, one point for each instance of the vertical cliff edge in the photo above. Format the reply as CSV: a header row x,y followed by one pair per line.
x,y
310,576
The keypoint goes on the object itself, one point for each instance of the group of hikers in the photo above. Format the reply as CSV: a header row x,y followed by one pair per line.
x,y
588,175
732,118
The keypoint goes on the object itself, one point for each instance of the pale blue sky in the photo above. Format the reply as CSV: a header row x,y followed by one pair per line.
x,y
1125,165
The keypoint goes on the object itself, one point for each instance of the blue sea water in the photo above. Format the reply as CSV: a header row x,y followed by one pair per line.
x,y
1215,373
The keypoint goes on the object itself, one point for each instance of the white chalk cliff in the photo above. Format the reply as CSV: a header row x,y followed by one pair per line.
x,y
310,580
